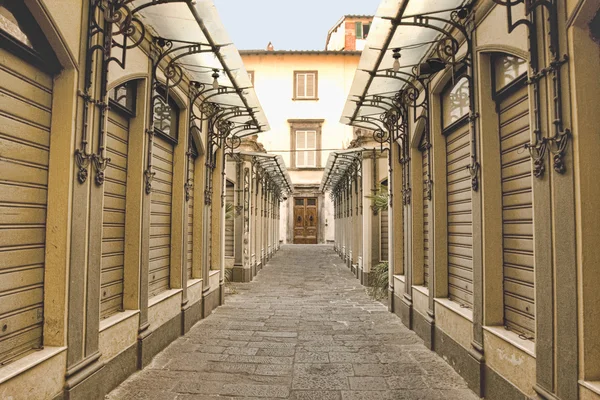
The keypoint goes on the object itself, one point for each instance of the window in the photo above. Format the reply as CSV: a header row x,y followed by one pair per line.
x,y
305,85
122,97
362,30
165,114
305,143
251,77
455,103
507,69
306,146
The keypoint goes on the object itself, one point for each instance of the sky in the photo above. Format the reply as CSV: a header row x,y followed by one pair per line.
x,y
288,24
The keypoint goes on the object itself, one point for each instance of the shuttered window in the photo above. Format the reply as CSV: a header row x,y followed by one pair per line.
x,y
229,222
517,209
384,235
458,191
113,218
25,115
305,85
306,146
160,217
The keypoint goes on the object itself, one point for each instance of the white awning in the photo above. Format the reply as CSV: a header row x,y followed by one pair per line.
x,y
385,35
274,165
198,22
337,163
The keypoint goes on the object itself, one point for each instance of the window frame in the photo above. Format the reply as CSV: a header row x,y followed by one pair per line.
x,y
131,87
447,90
513,85
251,76
316,85
298,125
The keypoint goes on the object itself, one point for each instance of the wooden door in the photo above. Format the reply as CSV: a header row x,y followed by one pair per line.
x,y
305,220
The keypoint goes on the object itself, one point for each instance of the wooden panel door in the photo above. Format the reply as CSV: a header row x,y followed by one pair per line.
x,y
305,220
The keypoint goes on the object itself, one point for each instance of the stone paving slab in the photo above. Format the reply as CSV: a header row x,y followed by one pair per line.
x,y
304,329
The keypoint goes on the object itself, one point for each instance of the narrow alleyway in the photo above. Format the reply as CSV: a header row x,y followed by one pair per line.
x,y
304,329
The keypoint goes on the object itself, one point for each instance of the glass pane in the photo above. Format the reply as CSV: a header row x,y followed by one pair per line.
x,y
124,95
455,102
312,202
10,25
508,68
299,202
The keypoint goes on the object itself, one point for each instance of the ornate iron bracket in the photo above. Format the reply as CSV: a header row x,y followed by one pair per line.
x,y
556,143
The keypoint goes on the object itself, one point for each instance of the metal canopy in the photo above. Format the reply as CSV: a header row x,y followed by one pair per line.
x,y
337,163
412,26
274,165
185,24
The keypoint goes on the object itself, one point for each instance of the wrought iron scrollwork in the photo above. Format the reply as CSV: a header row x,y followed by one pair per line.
x,y
557,142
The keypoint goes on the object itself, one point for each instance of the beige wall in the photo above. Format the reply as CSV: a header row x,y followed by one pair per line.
x,y
274,85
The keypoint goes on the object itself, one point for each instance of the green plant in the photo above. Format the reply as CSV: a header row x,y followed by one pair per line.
x,y
378,288
380,198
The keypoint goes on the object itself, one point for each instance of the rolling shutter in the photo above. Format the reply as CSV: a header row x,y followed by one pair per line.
x,y
517,213
113,221
160,217
460,231
25,114
384,235
190,232
426,223
229,223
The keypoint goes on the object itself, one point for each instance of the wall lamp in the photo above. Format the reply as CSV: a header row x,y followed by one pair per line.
x,y
215,75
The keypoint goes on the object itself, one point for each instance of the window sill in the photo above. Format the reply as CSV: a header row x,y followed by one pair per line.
x,y
593,386
421,289
512,338
193,282
163,296
28,362
466,313
400,278
307,99
117,318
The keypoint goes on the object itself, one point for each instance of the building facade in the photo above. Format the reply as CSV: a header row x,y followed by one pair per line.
x,y
487,109
112,189
300,92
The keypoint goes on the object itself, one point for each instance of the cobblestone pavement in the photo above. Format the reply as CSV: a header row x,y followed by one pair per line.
x,y
304,329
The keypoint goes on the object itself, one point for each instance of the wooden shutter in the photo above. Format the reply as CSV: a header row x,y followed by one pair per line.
x,y
517,213
311,144
229,223
25,114
113,216
190,219
300,85
310,85
160,217
384,235
460,231
426,217
300,145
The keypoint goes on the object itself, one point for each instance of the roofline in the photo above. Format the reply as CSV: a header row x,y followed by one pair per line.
x,y
300,52
337,24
